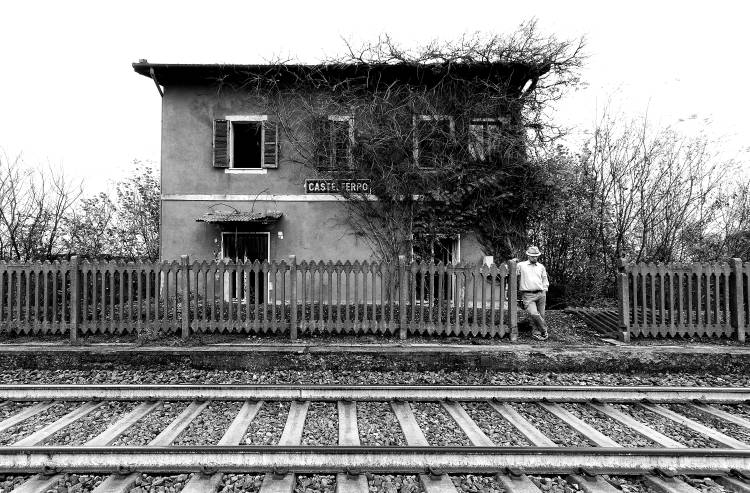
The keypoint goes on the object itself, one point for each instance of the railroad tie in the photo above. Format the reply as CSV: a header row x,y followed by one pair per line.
x,y
349,482
117,483
41,435
592,484
636,426
519,483
477,437
432,483
528,430
25,414
282,481
668,485
200,483
38,484
733,484
585,429
723,439
709,409
123,424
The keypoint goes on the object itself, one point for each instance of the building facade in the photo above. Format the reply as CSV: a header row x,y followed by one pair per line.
x,y
233,188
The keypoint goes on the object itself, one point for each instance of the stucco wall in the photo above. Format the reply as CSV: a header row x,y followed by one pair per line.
x,y
311,230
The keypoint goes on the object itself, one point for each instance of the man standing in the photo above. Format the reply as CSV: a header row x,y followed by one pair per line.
x,y
533,287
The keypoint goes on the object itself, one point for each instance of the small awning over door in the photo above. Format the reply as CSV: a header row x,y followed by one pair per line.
x,y
264,218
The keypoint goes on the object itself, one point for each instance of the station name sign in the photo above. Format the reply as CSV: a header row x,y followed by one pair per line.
x,y
337,186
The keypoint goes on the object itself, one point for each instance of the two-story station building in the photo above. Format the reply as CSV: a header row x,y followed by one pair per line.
x,y
233,185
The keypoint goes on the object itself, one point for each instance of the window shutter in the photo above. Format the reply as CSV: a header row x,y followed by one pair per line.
x,y
322,143
221,144
270,145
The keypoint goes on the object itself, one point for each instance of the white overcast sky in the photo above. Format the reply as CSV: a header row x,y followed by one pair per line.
x,y
69,96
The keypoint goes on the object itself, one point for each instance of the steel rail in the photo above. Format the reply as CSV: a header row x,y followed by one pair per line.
x,y
612,394
300,459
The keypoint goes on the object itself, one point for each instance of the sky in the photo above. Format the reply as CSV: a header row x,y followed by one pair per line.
x,y
69,97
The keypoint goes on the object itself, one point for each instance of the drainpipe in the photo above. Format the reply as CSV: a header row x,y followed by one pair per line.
x,y
153,76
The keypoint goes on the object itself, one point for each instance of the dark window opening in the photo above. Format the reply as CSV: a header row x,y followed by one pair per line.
x,y
485,139
247,145
340,143
436,249
242,247
433,136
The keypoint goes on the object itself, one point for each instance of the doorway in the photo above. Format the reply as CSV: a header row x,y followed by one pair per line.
x,y
435,248
246,246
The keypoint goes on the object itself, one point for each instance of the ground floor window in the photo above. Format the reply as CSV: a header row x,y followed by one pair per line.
x,y
435,248
240,246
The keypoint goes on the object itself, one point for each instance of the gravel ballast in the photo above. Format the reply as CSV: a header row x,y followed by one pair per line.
x,y
378,425
250,483
36,422
438,427
176,375
318,483
401,483
551,426
147,428
729,429
321,424
502,433
705,485
12,408
91,425
473,483
668,427
209,426
268,424
615,430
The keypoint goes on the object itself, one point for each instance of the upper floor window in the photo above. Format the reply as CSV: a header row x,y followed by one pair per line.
x,y
245,142
485,137
340,140
432,136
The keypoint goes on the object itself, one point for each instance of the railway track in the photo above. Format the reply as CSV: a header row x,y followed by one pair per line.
x,y
720,416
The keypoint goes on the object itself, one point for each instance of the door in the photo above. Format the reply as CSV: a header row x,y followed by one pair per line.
x,y
240,247
436,249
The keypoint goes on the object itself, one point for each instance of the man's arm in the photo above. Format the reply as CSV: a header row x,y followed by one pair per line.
x,y
545,279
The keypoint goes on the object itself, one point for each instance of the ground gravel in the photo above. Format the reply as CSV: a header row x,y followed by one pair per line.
x,y
321,425
438,427
37,422
476,484
241,482
147,428
730,429
553,484
629,484
378,426
551,426
92,424
12,408
394,483
609,427
70,483
502,433
318,483
176,375
741,410
10,481
668,427
268,424
160,484
210,425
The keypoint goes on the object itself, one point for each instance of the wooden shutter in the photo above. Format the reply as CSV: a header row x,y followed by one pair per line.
x,y
321,136
270,144
221,144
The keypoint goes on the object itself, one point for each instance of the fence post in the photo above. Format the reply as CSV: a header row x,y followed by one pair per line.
x,y
293,296
623,300
737,305
75,298
513,299
185,261
402,296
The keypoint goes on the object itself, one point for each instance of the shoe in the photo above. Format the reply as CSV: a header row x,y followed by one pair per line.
x,y
545,336
538,337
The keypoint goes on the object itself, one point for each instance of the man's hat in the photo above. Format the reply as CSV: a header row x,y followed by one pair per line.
x,y
533,252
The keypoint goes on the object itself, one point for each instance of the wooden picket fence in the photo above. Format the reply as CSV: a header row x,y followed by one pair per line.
x,y
81,298
698,299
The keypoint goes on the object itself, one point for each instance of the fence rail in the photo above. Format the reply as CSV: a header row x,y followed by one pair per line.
x,y
698,299
277,297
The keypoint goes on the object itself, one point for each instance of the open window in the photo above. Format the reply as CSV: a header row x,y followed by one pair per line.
x,y
432,137
485,137
248,142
